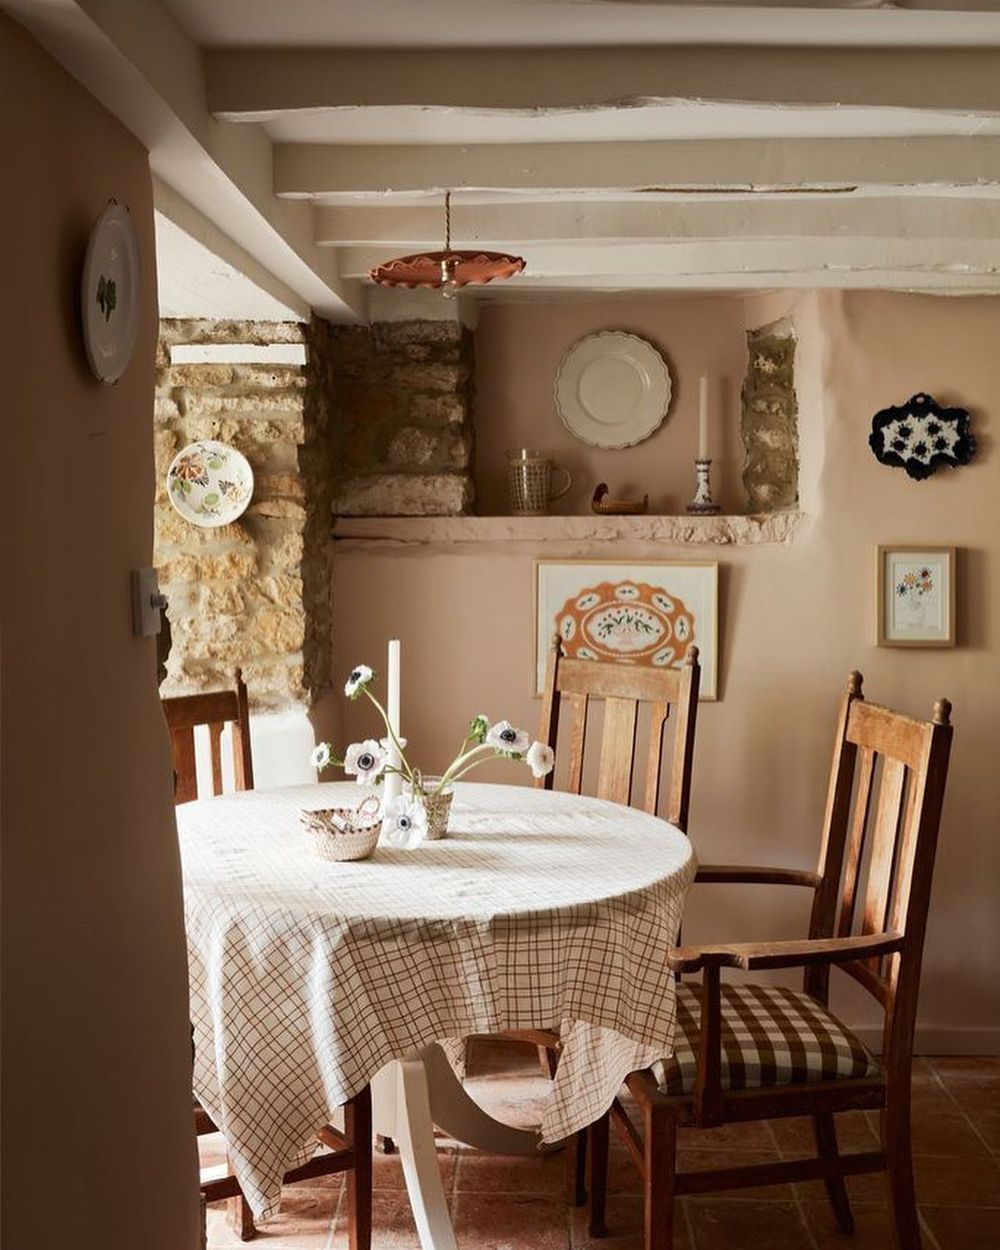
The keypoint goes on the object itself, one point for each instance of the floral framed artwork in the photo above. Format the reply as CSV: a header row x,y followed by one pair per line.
x,y
915,594
630,612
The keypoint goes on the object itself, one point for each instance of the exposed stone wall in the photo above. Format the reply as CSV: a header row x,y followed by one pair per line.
x,y
254,594
402,418
769,423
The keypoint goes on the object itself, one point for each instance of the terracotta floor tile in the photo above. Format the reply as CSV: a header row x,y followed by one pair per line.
x,y
479,1173
623,1175
707,1160
721,1225
962,1228
392,1223
872,1227
946,1135
957,1182
303,1223
749,1135
870,1188
624,1220
795,1136
973,1083
508,1222
987,1125
387,1170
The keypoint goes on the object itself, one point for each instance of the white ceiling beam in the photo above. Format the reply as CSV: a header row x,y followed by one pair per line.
x,y
253,84
137,61
783,262
306,170
583,223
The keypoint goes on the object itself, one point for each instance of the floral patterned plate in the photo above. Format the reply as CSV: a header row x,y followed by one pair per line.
x,y
210,483
110,293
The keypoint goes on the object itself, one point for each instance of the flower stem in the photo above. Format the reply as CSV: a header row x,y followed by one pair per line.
x,y
408,773
460,766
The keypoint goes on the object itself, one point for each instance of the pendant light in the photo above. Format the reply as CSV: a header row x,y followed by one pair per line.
x,y
449,269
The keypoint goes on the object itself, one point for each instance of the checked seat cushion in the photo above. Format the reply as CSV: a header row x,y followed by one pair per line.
x,y
770,1036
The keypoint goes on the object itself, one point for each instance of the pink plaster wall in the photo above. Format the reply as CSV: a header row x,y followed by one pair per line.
x,y
794,621
98,1145
518,351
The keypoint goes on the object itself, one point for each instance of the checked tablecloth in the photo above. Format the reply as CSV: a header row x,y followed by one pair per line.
x,y
539,910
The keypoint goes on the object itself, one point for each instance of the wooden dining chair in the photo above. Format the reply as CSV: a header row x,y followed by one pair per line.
x,y
623,688
349,1151
216,709
753,1052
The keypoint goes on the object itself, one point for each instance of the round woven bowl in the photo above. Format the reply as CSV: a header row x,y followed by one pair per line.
x,y
342,833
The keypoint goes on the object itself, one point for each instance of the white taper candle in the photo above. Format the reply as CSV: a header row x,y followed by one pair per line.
x,y
703,420
393,781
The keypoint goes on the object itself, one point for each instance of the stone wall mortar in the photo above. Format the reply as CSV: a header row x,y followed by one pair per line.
x,y
254,594
401,428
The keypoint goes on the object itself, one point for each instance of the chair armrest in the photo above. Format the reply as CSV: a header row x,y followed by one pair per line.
x,y
751,955
749,875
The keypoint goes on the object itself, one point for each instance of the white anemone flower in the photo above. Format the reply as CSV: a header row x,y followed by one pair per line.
x,y
386,744
541,759
365,760
321,756
504,737
405,821
358,680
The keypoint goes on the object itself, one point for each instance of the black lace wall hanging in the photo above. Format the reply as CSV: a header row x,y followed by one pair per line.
x,y
920,436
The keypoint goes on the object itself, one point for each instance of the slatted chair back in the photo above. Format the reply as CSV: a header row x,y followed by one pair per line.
x,y
216,709
623,688
879,841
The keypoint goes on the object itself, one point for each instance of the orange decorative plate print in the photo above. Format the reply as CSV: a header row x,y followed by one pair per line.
x,y
627,622
643,612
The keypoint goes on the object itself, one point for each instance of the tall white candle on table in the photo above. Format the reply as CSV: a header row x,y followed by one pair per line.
x,y
703,420
393,781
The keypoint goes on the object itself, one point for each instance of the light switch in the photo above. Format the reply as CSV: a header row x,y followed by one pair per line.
x,y
147,603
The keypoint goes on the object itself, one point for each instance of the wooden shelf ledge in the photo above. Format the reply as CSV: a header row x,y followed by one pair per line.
x,y
737,531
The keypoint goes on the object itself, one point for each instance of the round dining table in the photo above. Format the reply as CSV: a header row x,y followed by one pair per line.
x,y
310,979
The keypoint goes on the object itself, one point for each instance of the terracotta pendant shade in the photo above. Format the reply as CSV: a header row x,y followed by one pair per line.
x,y
448,268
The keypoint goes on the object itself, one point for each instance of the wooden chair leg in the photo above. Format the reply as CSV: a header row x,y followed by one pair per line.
x,y
239,1213
597,1175
241,1218
825,1134
358,1130
660,1147
579,1181
548,1061
899,1164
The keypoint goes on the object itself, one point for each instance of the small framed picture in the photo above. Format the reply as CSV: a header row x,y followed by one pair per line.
x,y
916,596
639,612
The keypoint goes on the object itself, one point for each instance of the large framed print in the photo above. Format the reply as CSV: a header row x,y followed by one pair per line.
x,y
628,612
915,596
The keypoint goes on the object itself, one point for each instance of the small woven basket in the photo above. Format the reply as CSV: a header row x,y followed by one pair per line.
x,y
344,833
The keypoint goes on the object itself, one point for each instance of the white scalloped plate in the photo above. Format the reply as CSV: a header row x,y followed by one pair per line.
x,y
210,483
612,389
110,293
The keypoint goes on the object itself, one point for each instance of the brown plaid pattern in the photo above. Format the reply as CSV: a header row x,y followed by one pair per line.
x,y
770,1036
540,910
